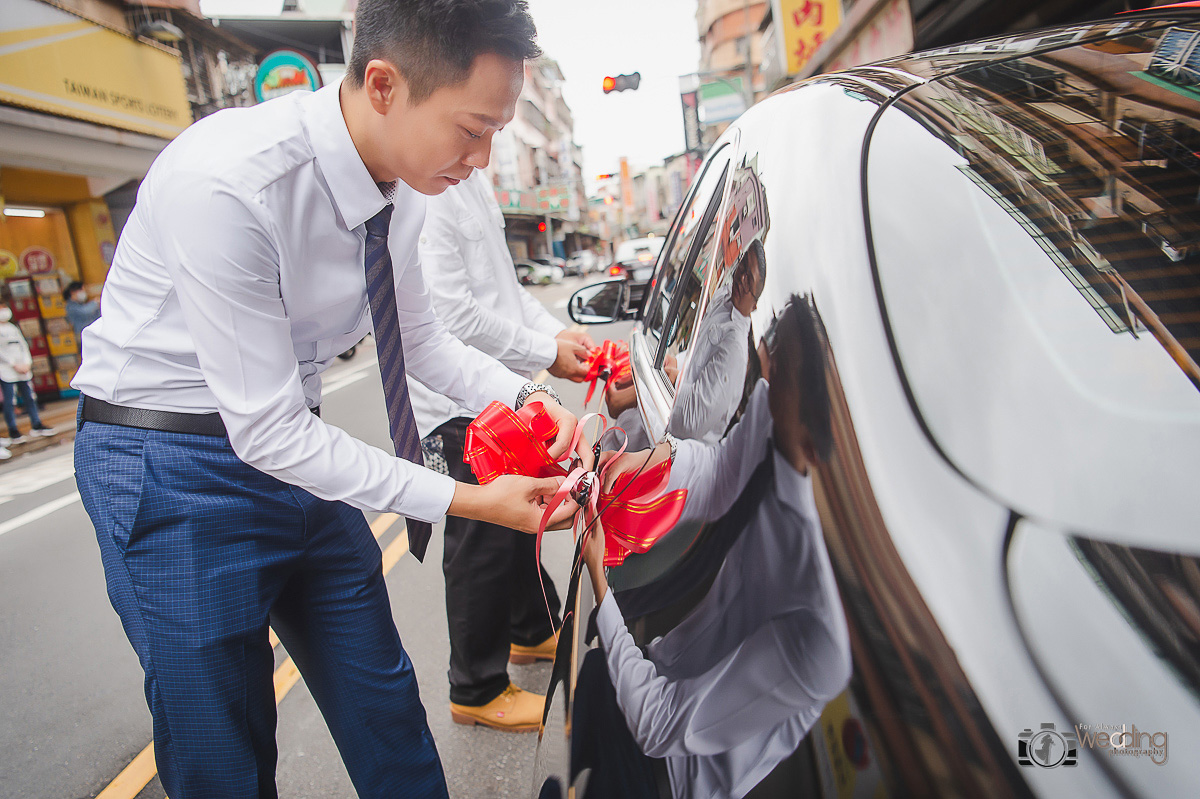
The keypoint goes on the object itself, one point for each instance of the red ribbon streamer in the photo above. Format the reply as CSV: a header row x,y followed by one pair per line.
x,y
608,362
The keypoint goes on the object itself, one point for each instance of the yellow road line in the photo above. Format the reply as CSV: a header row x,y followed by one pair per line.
x,y
133,778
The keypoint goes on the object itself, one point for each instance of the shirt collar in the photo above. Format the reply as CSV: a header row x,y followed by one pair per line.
x,y
794,490
355,195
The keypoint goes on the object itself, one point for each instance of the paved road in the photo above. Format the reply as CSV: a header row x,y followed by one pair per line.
x,y
74,713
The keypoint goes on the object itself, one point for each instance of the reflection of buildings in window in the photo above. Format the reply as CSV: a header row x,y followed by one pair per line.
x,y
1113,205
747,218
1177,57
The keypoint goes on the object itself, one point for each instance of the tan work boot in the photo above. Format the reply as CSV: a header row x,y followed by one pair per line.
x,y
514,710
524,655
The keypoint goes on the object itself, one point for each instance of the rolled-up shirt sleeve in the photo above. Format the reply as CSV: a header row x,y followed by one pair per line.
x,y
222,261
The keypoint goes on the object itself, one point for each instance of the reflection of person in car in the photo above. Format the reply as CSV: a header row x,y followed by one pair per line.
x,y
734,688
712,383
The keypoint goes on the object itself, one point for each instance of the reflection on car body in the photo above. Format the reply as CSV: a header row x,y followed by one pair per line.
x,y
1001,241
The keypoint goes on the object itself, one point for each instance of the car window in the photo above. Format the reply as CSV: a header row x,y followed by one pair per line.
x,y
681,274
1036,228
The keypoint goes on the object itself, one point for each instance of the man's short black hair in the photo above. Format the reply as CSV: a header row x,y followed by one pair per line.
x,y
760,257
799,355
434,42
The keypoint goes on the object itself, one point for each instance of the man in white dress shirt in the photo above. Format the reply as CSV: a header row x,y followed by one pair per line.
x,y
494,603
263,243
734,688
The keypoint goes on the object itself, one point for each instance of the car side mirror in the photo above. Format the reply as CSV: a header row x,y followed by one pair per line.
x,y
600,303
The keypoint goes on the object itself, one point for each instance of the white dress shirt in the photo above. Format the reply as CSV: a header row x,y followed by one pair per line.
x,y
14,352
714,375
239,277
475,292
733,690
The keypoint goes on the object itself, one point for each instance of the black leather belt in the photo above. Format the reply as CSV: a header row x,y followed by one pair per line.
x,y
200,424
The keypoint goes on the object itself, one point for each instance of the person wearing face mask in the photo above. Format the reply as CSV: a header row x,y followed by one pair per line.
x,y
16,375
81,310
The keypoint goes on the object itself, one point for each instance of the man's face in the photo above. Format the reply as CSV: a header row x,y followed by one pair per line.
x,y
436,143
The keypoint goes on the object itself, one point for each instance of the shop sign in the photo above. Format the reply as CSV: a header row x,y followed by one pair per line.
x,y
9,265
889,33
54,62
516,201
282,72
37,261
553,199
805,25
722,100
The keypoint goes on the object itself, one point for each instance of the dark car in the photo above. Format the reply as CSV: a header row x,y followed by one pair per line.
x,y
927,332
634,262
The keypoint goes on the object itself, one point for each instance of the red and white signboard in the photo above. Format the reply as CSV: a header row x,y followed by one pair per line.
x,y
37,261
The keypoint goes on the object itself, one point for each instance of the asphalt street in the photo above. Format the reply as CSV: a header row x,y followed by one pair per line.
x,y
75,722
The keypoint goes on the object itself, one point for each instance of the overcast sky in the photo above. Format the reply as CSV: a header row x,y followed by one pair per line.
x,y
591,39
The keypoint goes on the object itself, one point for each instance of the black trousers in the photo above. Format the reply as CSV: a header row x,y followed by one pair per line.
x,y
493,598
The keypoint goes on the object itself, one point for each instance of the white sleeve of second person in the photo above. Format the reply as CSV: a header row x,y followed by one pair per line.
x,y
221,259
443,263
715,474
538,317
769,677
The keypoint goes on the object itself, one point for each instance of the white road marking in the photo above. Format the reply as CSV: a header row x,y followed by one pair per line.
x,y
40,512
62,467
28,479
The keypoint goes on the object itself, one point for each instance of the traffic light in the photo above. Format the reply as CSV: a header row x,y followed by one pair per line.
x,y
622,82
541,227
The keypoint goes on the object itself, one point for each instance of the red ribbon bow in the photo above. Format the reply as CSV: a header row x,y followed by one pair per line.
x,y
633,515
608,362
504,441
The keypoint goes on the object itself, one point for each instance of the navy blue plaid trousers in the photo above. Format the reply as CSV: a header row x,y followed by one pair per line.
x,y
200,552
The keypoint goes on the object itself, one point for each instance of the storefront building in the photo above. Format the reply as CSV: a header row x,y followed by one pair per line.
x,y
85,107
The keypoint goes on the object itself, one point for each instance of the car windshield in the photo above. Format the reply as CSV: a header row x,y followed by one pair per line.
x,y
639,250
1036,229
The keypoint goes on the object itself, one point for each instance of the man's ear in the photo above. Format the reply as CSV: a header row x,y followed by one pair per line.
x,y
384,85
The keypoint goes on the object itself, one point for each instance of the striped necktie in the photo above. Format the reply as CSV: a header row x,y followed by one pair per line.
x,y
381,292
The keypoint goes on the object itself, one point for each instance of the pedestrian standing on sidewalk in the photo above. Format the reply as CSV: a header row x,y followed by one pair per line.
x,y
81,311
265,241
494,603
16,376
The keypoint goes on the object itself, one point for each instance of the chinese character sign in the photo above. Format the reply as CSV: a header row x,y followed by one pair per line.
x,y
806,25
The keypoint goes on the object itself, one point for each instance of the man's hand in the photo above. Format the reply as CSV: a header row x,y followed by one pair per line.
x,y
671,367
512,501
630,462
571,363
578,336
566,429
24,371
621,399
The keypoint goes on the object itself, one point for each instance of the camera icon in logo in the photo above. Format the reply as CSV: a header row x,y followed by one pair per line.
x,y
1047,747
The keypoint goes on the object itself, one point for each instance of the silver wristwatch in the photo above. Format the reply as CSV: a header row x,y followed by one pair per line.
x,y
533,388
674,442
